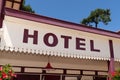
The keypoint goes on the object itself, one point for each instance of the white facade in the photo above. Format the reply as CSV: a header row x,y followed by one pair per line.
x,y
25,42
13,34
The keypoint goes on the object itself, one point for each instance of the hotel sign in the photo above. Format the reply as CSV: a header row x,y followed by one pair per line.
x,y
30,35
80,43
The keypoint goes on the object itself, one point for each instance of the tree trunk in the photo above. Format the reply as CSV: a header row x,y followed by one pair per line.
x,y
96,25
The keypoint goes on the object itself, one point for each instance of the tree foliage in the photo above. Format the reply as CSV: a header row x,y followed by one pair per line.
x,y
96,16
27,7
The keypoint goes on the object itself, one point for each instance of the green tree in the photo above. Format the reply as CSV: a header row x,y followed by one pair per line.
x,y
27,7
96,16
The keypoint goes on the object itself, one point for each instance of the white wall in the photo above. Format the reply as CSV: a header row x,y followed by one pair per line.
x,y
14,30
22,59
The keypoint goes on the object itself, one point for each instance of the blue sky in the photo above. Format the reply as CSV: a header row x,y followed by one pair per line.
x,y
76,10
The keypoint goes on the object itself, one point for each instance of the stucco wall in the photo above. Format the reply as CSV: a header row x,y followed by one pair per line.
x,y
23,59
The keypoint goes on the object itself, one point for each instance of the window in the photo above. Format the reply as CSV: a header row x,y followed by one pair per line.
x,y
27,77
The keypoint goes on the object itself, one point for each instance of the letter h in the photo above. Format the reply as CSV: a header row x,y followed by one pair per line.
x,y
26,36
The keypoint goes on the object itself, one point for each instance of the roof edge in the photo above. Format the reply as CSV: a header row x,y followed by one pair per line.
x,y
57,22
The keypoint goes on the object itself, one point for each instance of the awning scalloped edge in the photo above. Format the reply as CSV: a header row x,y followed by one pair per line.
x,y
52,53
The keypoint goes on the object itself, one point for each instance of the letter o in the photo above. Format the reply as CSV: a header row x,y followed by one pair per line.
x,y
46,39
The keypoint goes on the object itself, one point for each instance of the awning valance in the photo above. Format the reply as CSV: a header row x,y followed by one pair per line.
x,y
51,53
